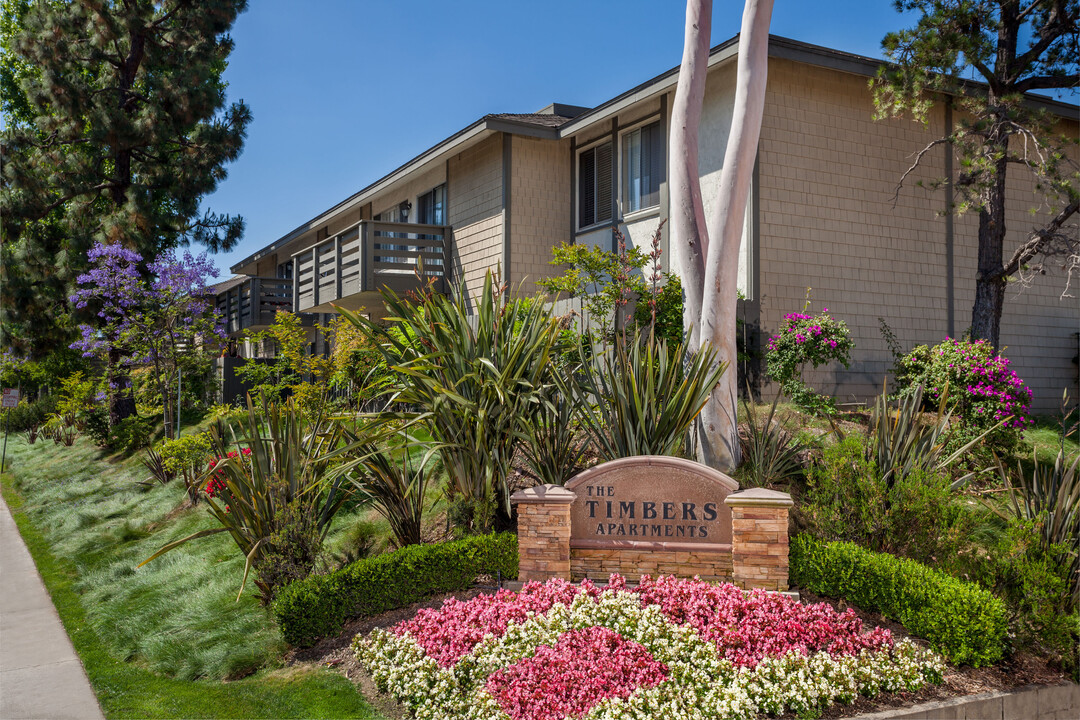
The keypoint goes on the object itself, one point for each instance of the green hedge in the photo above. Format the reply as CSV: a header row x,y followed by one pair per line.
x,y
961,620
320,605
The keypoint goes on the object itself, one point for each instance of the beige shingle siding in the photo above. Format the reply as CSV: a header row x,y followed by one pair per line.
x,y
475,211
539,207
828,220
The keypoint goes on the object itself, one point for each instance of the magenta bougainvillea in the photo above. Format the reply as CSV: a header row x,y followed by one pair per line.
x,y
804,339
983,392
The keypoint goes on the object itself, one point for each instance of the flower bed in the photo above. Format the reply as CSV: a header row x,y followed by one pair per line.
x,y
670,646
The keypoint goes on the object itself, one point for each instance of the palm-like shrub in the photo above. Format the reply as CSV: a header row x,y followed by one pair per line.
x,y
284,480
475,374
903,441
393,480
640,398
554,449
770,452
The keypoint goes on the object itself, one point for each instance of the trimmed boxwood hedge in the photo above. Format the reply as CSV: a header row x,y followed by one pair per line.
x,y
320,605
961,620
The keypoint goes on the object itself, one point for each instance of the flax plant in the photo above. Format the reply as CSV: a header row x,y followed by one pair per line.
x,y
393,480
902,442
771,453
290,462
640,398
476,370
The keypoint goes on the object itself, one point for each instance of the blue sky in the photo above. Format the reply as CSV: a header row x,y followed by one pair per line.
x,y
344,91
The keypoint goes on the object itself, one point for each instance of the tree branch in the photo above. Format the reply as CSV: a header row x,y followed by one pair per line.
x,y
1046,82
918,160
1037,243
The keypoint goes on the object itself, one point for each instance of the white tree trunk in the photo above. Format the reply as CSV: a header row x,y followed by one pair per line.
x,y
718,442
688,233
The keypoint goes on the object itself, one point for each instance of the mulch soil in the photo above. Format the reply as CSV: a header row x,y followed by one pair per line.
x,y
1010,674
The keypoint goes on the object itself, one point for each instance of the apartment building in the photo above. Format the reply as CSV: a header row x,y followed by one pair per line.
x,y
824,214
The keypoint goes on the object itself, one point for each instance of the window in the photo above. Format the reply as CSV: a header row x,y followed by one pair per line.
x,y
594,185
643,167
431,207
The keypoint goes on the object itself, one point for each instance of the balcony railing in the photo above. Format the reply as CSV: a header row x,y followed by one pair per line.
x,y
254,302
368,256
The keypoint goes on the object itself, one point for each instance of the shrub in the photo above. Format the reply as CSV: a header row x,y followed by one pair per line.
x,y
640,398
186,456
282,459
960,620
320,605
983,394
771,453
554,452
807,339
902,442
394,481
475,368
847,498
28,416
292,548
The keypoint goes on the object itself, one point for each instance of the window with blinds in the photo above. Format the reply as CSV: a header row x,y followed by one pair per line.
x,y
643,167
594,185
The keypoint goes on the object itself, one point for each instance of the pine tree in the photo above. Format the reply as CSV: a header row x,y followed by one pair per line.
x,y
116,127
1012,47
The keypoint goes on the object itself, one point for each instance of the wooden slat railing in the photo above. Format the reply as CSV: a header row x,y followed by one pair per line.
x,y
368,256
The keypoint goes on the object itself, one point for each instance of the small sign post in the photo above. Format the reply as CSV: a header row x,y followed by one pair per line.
x,y
10,400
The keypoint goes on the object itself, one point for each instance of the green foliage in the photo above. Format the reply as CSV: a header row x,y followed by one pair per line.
x,y
287,464
916,515
77,398
640,398
292,363
983,394
771,453
476,378
813,340
155,463
131,434
120,129
320,605
291,549
903,442
669,311
601,279
187,457
1038,582
554,449
394,481
962,621
1049,498
28,416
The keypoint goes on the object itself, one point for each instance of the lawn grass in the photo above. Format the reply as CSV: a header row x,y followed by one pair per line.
x,y
146,635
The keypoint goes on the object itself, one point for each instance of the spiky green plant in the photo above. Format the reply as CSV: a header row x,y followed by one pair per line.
x,y
640,398
290,461
393,480
554,448
476,370
901,440
770,452
1050,497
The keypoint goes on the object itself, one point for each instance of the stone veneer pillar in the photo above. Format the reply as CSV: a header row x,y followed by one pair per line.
x,y
543,532
759,538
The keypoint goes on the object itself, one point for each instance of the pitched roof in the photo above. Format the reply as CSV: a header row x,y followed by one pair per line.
x,y
540,119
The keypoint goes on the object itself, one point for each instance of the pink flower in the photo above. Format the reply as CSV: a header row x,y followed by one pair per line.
x,y
567,679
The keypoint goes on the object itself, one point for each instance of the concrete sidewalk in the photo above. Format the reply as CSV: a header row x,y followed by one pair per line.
x,y
40,674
